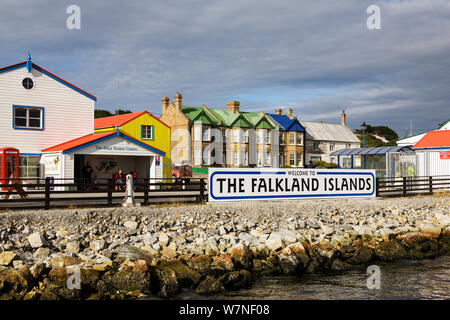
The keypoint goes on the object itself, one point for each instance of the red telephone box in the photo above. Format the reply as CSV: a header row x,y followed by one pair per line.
x,y
9,165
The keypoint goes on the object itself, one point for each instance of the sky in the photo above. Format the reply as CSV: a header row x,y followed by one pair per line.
x,y
317,57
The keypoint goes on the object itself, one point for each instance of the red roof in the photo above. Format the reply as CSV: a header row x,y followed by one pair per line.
x,y
116,121
434,139
120,120
78,142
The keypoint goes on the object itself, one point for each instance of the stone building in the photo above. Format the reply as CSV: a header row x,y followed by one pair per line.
x,y
322,139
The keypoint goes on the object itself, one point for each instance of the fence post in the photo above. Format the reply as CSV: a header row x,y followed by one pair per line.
x,y
202,190
47,194
146,187
110,190
430,178
404,186
377,185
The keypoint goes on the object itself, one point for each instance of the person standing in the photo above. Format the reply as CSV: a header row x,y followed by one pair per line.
x,y
87,174
134,174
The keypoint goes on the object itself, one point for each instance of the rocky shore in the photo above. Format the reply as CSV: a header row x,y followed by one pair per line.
x,y
127,253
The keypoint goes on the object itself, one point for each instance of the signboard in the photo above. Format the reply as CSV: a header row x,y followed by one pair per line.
x,y
52,164
226,184
357,161
445,155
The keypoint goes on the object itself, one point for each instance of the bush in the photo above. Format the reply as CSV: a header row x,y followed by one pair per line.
x,y
324,164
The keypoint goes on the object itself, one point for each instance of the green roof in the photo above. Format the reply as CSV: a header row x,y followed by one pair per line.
x,y
196,114
259,121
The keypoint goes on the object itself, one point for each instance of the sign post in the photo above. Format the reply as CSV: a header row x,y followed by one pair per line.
x,y
226,184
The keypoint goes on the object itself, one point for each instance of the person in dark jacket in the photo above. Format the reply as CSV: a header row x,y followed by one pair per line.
x,y
119,178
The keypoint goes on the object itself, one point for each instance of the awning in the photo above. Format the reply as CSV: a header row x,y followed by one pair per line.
x,y
376,151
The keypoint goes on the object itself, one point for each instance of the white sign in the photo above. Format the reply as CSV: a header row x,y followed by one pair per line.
x,y
226,184
51,164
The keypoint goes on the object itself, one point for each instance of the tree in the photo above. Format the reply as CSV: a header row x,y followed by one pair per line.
x,y
382,131
101,113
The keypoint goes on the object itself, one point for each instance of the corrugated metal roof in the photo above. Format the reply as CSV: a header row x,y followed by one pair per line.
x,y
116,121
370,151
79,141
328,132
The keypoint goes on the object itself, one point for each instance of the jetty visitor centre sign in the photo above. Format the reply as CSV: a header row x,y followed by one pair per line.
x,y
226,184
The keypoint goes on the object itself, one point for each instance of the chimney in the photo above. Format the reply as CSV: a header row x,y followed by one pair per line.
x,y
178,101
233,106
343,118
278,111
288,112
164,103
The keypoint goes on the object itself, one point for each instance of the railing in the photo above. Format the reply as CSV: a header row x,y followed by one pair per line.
x,y
404,186
46,193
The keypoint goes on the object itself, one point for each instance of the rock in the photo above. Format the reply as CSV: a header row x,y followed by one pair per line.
x,y
222,231
187,278
97,245
430,230
134,254
38,269
73,247
103,266
222,263
361,255
168,283
36,240
130,225
163,239
14,282
149,239
312,224
7,257
210,286
241,256
326,251
200,263
168,252
41,253
389,251
127,280
339,265
140,266
288,261
236,280
327,230
62,261
274,244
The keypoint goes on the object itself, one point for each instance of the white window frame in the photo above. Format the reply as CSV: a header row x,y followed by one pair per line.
x,y
316,145
267,136
235,158
292,138
236,135
207,136
243,159
197,133
144,132
260,160
299,138
282,141
299,159
267,158
292,159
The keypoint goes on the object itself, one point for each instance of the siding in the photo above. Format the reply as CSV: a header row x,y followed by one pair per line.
x,y
67,113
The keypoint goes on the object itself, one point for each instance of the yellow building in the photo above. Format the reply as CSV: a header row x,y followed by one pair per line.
x,y
146,129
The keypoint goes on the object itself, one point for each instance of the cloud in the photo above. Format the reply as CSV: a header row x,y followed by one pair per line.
x,y
317,57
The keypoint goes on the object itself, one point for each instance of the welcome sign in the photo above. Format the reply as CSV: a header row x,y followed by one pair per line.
x,y
226,184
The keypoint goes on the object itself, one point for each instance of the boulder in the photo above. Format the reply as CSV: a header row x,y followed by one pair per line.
x,y
7,257
210,286
222,263
168,284
134,254
130,225
127,280
389,251
36,240
187,278
236,280
200,263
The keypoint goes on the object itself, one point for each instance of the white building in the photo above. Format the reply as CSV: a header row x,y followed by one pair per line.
x,y
38,110
433,154
412,140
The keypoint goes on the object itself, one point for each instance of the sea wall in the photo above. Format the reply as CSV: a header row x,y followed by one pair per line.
x,y
126,253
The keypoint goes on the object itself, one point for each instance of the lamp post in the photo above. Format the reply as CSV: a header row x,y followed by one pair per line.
x,y
364,128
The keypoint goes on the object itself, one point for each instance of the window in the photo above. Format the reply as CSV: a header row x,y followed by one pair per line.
x,y
236,135
292,138
29,167
146,132
206,159
266,136
197,156
282,138
197,133
349,145
292,159
28,118
205,134
243,158
259,159
332,145
299,159
224,135
316,145
245,135
281,160
266,158
299,138
235,158
259,135
27,83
